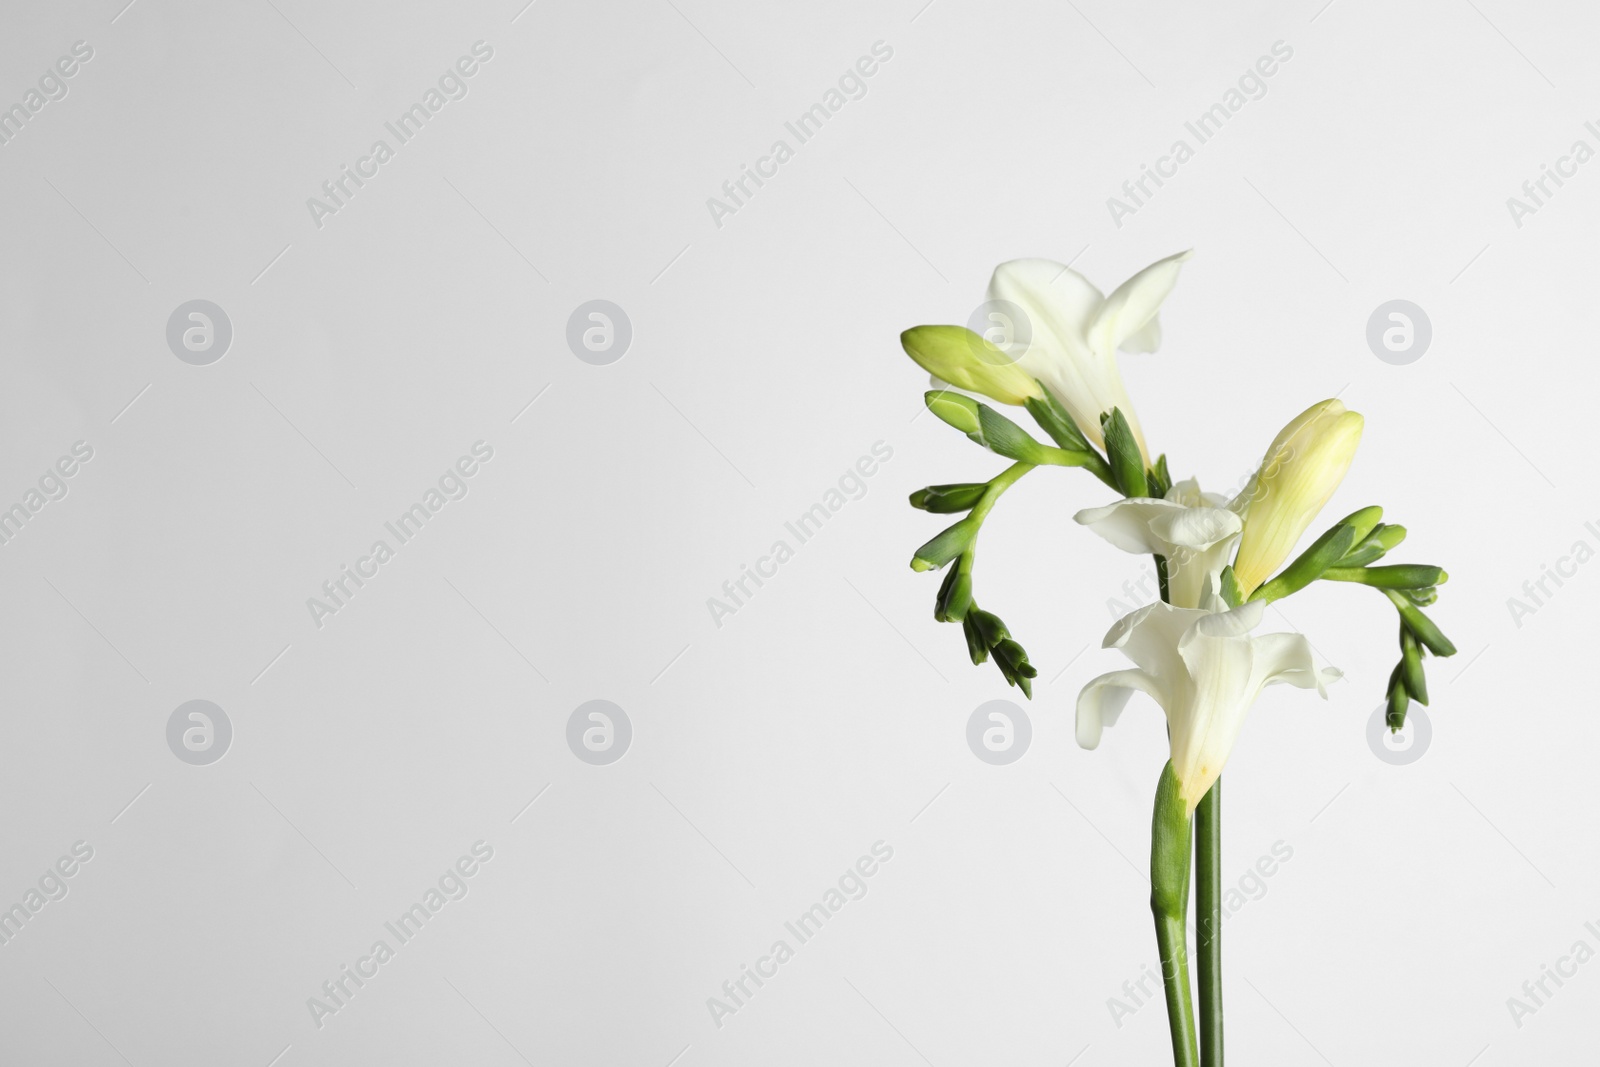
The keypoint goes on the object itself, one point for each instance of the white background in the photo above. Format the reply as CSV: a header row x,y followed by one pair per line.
x,y
829,713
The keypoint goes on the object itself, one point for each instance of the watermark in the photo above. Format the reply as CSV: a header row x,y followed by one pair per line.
x,y
1537,592
1536,992
51,486
599,332
1252,886
338,991
338,191
851,85
199,732
1251,85
599,732
737,592
1537,191
999,732
1405,745
1005,326
51,86
851,885
199,332
452,485
1399,332
50,886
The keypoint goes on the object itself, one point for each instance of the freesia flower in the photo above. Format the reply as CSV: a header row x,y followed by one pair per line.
x,y
1194,531
959,357
1074,333
1301,470
1205,670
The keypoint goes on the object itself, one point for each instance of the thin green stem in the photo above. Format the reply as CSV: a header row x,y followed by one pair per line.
x,y
998,485
1208,921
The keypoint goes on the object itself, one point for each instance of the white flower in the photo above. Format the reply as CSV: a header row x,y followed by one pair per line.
x,y
1205,670
1194,531
1074,332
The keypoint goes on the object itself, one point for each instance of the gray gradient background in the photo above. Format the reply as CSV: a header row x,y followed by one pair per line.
x,y
829,713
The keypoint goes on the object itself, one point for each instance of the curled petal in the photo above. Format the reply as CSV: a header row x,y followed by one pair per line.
x,y
1125,317
1103,699
1287,658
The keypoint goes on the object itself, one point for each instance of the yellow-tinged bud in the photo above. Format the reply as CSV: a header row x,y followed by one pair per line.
x,y
956,355
1301,470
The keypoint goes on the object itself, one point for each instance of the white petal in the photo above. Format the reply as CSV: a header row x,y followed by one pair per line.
x,y
1236,623
1221,672
1194,573
1062,307
1127,523
1187,493
1103,699
1287,658
1060,303
1196,528
1145,339
1196,541
1151,637
1135,303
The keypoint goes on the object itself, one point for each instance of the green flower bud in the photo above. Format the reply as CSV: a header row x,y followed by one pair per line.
x,y
955,595
1420,625
1411,671
944,499
977,648
945,546
1310,565
1374,546
987,427
1397,576
1399,701
1363,522
1004,437
1055,420
957,409
967,361
1122,449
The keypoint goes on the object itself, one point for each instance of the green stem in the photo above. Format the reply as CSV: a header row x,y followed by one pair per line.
x,y
998,485
1208,920
1170,837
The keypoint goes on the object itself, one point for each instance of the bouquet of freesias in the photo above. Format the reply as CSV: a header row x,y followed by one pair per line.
x,y
1219,562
